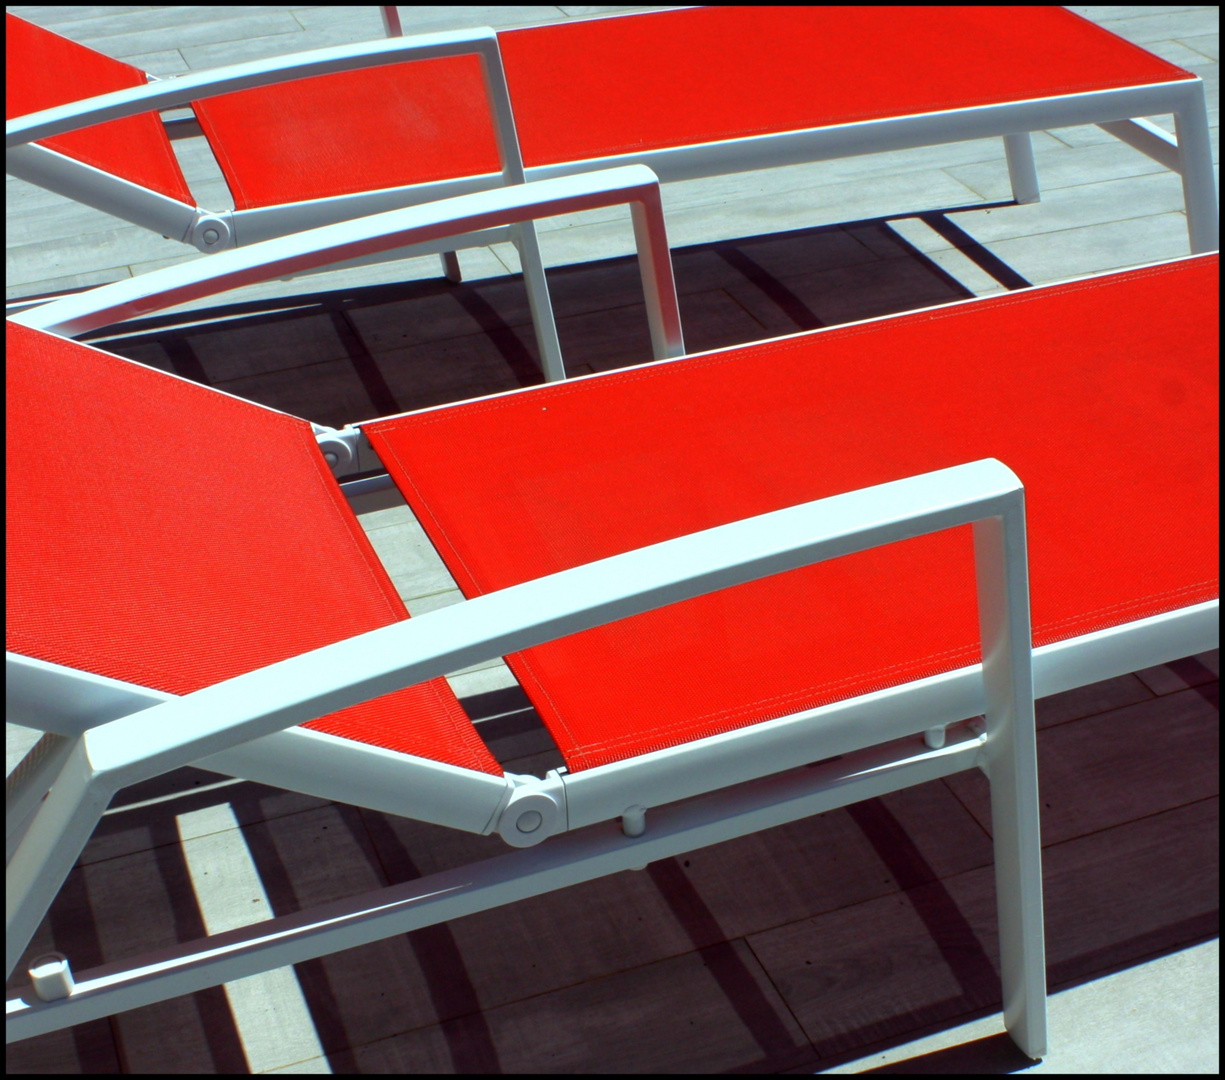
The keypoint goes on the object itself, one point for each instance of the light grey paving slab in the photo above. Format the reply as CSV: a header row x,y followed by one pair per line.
x,y
1097,248
57,14
797,208
161,63
1177,52
65,283
1091,164
767,183
949,259
34,223
281,42
98,24
1163,25
319,1065
423,19
1208,45
824,205
1146,195
269,1010
421,605
580,11
476,263
482,680
408,556
119,246
1105,14
242,26
377,518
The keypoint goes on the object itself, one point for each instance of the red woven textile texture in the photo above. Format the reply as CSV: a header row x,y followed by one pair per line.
x,y
353,131
1101,395
168,535
596,87
622,84
43,70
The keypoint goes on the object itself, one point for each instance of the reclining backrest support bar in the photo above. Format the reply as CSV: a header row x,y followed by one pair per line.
x,y
81,180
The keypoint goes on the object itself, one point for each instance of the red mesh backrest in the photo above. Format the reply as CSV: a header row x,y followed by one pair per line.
x,y
1100,395
44,70
621,84
354,131
172,536
592,88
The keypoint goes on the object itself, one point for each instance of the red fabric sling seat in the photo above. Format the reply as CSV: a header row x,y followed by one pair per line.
x,y
43,70
172,536
1100,394
591,88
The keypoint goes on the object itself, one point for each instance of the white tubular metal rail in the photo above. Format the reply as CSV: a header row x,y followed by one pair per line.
x,y
1189,154
59,173
210,722
412,227
216,231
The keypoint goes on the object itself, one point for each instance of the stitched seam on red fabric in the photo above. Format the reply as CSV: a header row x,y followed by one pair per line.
x,y
102,166
472,586
559,717
444,703
223,159
464,731
790,344
1097,615
313,448
834,685
721,718
799,341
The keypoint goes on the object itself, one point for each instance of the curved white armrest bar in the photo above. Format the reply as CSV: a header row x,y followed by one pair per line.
x,y
66,702
288,255
301,688
406,653
169,93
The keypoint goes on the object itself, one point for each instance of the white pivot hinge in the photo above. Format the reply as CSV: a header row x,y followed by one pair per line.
x,y
339,448
535,810
211,232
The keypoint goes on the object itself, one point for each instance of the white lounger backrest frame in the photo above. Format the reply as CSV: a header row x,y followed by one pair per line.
x,y
127,200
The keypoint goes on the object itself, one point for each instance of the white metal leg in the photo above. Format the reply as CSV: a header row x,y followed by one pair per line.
x,y
28,785
658,280
1198,181
1012,767
450,266
542,307
1021,168
56,834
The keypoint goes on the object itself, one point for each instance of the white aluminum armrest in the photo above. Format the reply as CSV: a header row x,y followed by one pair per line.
x,y
370,665
348,672
289,255
182,90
